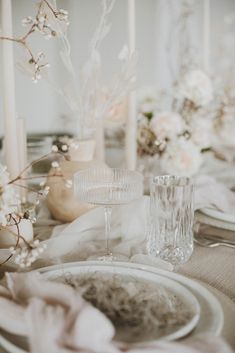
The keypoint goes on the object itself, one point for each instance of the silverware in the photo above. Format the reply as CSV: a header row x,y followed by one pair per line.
x,y
213,242
217,238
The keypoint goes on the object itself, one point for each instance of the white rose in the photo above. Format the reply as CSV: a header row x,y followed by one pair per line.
x,y
167,125
181,157
196,86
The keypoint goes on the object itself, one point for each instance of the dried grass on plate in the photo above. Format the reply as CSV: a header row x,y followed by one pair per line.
x,y
139,310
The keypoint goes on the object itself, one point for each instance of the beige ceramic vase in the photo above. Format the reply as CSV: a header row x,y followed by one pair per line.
x,y
62,203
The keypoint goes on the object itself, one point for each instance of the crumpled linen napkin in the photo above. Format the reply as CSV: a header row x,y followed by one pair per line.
x,y
211,193
85,236
56,319
130,223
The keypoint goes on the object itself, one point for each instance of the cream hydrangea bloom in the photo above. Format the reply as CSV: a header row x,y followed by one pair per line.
x,y
181,157
167,125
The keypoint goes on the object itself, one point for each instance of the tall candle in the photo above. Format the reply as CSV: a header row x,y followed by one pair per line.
x,y
206,35
22,143
8,79
22,152
131,146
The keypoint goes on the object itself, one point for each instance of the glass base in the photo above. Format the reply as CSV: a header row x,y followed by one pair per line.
x,y
176,256
109,257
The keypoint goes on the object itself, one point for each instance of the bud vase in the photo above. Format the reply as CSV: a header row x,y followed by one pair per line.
x,y
62,203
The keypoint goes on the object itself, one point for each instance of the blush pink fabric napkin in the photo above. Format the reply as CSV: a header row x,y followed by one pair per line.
x,y
56,319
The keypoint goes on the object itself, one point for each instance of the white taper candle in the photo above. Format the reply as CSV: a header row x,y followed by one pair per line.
x,y
10,142
206,35
22,150
131,148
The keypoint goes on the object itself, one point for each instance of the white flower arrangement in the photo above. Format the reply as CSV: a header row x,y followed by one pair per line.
x,y
178,136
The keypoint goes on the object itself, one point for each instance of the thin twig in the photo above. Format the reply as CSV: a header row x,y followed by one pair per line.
x,y
23,40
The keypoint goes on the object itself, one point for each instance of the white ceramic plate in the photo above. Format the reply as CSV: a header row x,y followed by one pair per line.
x,y
222,216
211,316
187,299
210,321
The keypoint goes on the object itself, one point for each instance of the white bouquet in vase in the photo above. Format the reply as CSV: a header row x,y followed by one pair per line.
x,y
176,138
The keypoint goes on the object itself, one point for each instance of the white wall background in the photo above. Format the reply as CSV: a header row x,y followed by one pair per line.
x,y
41,106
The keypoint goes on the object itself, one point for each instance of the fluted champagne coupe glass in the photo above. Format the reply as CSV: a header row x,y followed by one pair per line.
x,y
108,187
171,219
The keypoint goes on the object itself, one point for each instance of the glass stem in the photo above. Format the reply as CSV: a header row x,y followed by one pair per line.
x,y
107,216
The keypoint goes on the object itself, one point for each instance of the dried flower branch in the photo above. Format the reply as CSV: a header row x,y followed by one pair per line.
x,y
39,23
92,101
103,27
25,253
11,213
13,233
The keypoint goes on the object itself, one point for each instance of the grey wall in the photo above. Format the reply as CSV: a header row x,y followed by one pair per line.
x,y
41,106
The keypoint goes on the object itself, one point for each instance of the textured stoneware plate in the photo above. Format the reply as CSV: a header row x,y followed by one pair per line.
x,y
135,275
209,321
222,216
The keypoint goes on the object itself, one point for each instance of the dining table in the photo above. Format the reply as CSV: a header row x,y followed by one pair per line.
x,y
213,268
210,267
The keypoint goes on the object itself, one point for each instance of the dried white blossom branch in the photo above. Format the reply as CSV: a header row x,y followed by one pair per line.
x,y
104,27
91,101
39,23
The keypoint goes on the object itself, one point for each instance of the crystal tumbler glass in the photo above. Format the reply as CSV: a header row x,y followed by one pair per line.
x,y
108,187
171,219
